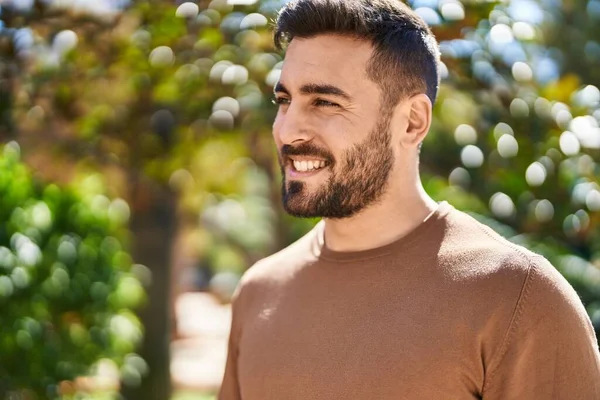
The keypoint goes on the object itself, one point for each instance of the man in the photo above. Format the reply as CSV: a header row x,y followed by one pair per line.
x,y
391,296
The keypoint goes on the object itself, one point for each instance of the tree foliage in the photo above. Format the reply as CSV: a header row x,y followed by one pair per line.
x,y
67,285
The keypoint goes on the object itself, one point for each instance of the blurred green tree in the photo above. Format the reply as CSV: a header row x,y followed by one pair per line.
x,y
67,284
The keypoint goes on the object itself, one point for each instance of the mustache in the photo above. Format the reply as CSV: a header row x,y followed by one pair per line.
x,y
306,149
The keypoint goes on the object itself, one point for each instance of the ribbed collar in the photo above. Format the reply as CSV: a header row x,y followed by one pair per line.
x,y
324,253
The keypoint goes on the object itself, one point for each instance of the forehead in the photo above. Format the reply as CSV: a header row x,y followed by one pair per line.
x,y
333,59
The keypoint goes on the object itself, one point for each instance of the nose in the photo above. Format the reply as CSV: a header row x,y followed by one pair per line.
x,y
291,126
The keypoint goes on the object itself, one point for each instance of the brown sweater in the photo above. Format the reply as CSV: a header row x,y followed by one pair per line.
x,y
450,311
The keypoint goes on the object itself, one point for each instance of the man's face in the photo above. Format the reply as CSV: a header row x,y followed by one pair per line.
x,y
331,130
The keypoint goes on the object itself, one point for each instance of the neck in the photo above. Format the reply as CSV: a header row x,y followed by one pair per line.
x,y
396,214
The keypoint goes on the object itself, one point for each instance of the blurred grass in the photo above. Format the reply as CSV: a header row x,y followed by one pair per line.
x,y
191,395
178,395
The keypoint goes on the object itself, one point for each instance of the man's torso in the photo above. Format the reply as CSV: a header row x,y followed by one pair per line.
x,y
418,320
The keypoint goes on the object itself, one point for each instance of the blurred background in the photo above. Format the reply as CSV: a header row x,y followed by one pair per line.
x,y
138,178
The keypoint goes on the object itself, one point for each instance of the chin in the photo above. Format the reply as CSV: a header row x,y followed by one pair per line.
x,y
296,200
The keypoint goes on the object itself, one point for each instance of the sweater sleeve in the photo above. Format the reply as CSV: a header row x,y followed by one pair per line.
x,y
550,349
230,389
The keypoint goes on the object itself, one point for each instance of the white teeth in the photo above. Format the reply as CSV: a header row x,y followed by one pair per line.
x,y
304,166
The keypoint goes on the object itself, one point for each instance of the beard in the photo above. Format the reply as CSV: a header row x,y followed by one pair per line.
x,y
359,181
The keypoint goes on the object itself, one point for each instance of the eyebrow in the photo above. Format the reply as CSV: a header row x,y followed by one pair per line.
x,y
315,88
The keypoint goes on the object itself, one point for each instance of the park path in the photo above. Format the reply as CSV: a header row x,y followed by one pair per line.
x,y
199,350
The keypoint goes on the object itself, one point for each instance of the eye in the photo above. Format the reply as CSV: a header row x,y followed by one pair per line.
x,y
325,103
280,101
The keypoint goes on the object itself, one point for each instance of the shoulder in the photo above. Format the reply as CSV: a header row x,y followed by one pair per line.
x,y
277,269
551,297
514,276
520,294
550,333
504,274
473,250
483,252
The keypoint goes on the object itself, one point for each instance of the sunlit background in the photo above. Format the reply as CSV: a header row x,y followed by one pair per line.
x,y
138,178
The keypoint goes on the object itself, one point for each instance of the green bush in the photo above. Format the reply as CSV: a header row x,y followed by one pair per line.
x,y
67,284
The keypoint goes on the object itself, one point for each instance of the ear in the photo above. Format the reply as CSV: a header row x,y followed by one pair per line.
x,y
419,110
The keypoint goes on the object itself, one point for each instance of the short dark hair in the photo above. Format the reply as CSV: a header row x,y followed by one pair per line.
x,y
405,59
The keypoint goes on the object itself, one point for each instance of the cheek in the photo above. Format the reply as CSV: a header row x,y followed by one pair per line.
x,y
340,136
276,130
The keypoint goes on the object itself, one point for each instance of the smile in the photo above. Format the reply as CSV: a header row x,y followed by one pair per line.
x,y
308,165
304,166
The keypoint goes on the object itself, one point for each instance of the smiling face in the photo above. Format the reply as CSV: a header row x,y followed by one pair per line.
x,y
332,132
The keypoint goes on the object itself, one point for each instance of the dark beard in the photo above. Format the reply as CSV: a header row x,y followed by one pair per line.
x,y
360,182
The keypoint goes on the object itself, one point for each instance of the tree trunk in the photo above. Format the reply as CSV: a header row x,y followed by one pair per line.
x,y
152,226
